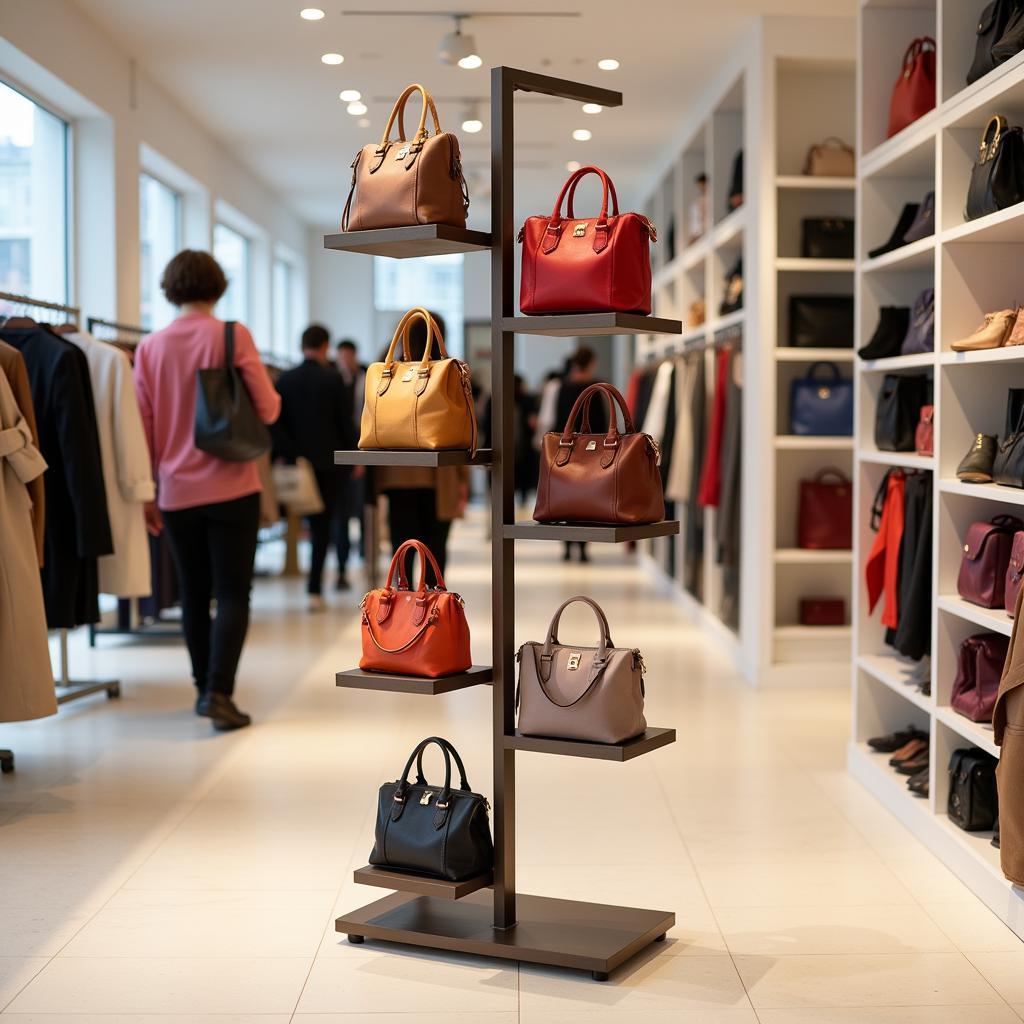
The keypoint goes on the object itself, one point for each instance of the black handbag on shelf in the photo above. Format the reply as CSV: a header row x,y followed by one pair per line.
x,y
997,30
827,238
735,200
732,295
973,803
899,411
433,830
226,424
997,178
821,321
1008,467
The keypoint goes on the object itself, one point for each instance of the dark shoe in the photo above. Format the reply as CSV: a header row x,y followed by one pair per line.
x,y
918,784
221,710
893,742
343,583
915,765
893,323
976,466
898,236
909,751
924,222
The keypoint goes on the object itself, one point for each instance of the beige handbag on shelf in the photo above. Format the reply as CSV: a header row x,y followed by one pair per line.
x,y
424,405
398,183
595,694
832,158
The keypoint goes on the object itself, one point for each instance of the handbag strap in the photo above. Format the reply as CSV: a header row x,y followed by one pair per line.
x,y
916,47
426,558
608,189
450,747
834,375
599,663
402,334
444,796
398,111
827,472
553,232
995,129
612,438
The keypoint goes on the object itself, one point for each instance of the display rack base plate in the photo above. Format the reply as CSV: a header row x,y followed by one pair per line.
x,y
562,933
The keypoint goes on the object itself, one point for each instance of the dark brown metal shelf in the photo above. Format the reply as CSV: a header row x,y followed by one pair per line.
x,y
530,530
649,740
357,679
580,325
409,242
400,457
566,933
402,882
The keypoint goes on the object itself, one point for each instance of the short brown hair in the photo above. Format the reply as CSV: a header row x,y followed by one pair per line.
x,y
193,276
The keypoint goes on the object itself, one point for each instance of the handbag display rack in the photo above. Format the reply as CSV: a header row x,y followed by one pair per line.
x,y
485,915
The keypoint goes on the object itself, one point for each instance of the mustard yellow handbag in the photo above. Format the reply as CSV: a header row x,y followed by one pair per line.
x,y
425,405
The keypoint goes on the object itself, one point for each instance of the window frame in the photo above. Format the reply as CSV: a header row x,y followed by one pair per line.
x,y
246,314
179,224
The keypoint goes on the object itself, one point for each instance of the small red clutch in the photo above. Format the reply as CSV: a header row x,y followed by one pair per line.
x,y
822,611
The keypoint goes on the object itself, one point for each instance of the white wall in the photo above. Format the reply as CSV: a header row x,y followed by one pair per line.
x,y
51,50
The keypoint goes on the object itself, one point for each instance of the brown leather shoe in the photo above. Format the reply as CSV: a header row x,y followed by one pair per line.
x,y
914,765
993,333
906,753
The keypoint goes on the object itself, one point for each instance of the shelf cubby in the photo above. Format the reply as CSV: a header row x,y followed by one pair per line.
x,y
410,242
358,679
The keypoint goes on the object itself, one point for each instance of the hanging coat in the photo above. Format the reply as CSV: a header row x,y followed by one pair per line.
x,y
127,475
1008,725
26,677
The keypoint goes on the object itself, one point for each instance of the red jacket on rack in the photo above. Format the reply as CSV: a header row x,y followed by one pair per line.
x,y
882,570
711,476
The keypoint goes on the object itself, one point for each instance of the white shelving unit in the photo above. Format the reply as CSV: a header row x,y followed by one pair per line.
x,y
782,92
974,268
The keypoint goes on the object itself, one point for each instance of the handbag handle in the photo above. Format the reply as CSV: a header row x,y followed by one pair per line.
x,y
552,637
402,333
915,49
608,190
426,558
445,745
398,111
831,471
823,363
553,232
444,796
991,136
614,398
584,416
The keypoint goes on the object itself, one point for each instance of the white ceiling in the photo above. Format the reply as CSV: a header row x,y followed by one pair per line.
x,y
250,71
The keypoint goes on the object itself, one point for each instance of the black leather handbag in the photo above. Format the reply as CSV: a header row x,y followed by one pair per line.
x,y
973,802
899,411
433,830
735,200
827,238
226,423
996,33
997,178
821,321
1008,467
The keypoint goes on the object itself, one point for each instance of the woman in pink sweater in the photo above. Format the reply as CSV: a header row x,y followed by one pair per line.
x,y
209,507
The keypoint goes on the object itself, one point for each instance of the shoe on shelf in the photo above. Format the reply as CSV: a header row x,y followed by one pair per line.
x,y
976,466
891,329
898,236
909,750
315,603
918,784
221,710
914,765
895,740
924,222
993,332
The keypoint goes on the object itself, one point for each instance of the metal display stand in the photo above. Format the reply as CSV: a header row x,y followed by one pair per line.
x,y
463,917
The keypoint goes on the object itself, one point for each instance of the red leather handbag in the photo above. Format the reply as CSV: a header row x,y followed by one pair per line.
x,y
822,611
825,520
913,95
986,558
978,671
421,632
596,265
1014,574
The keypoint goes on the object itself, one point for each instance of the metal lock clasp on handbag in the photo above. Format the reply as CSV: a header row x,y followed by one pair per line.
x,y
408,376
579,231
574,661
402,153
425,799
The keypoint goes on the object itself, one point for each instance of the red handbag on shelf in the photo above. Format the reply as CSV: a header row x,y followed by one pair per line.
x,y
913,95
986,558
825,521
978,671
822,611
596,265
421,632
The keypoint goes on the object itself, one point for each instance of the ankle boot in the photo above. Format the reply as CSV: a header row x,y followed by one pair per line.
x,y
976,466
898,236
893,322
221,710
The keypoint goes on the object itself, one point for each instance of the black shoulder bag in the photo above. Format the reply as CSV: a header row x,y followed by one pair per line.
x,y
899,410
973,803
997,178
226,422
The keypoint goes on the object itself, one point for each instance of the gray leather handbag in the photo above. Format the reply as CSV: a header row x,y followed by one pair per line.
x,y
594,694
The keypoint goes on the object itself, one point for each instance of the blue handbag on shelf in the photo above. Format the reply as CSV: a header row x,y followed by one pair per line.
x,y
821,404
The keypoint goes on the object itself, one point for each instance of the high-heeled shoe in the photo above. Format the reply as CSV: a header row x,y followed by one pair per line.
x,y
994,332
897,238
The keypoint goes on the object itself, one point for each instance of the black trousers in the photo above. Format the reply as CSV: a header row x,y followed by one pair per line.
x,y
214,547
412,515
321,527
348,506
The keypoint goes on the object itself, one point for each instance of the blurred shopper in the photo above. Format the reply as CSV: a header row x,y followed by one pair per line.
x,y
524,425
350,498
316,421
210,507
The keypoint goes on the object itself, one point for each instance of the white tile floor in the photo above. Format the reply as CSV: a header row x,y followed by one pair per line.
x,y
151,871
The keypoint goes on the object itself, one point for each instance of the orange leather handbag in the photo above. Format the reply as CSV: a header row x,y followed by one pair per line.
x,y
913,95
421,632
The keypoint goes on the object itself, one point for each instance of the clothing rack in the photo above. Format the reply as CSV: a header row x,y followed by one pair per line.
x,y
138,332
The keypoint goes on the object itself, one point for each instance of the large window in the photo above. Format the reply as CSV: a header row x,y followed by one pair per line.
x,y
33,199
232,251
283,344
399,284
160,238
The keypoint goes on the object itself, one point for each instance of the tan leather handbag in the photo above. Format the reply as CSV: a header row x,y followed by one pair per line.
x,y
594,694
832,158
396,183
425,405
608,478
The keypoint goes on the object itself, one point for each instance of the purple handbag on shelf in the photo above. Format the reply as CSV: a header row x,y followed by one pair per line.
x,y
986,558
921,332
978,671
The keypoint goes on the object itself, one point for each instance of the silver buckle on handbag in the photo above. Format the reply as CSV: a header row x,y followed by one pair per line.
x,y
591,446
425,799
407,376
579,231
574,661
402,153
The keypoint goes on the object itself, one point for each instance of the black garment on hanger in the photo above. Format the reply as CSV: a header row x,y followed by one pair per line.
x,y
912,637
727,522
693,554
643,394
77,526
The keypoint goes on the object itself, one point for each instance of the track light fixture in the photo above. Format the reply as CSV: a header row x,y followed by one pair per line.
x,y
456,48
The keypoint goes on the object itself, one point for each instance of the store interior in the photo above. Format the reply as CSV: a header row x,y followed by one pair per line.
x,y
693,328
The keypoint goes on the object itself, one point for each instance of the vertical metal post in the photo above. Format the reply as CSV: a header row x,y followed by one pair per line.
x,y
502,497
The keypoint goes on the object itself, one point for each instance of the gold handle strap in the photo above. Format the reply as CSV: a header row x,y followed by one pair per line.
x,y
398,111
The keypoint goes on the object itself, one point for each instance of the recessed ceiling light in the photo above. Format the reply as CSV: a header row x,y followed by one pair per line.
x,y
472,125
572,165
581,135
472,61
349,95
592,108
357,108
332,58
608,64
311,13
364,122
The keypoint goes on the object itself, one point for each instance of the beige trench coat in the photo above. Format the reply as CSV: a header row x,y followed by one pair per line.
x,y
1008,722
26,676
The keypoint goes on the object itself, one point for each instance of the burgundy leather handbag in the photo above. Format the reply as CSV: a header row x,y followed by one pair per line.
x,y
594,265
978,671
608,478
1014,574
913,95
986,557
825,520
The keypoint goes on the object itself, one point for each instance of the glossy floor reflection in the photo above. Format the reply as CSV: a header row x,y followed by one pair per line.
x,y
151,871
